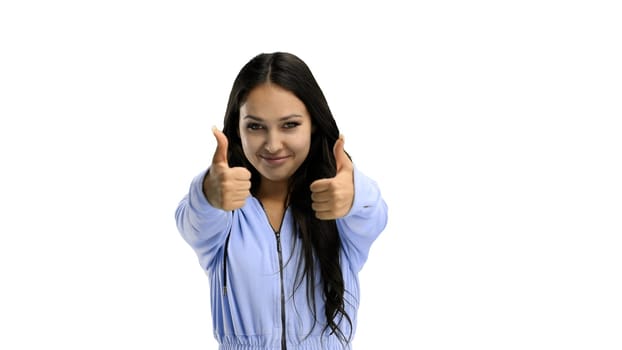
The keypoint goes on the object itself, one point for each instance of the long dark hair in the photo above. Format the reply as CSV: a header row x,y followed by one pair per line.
x,y
320,238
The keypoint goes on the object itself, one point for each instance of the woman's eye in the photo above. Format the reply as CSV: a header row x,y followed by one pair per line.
x,y
290,125
253,126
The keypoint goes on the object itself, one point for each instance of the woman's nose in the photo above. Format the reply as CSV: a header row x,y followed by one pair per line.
x,y
273,142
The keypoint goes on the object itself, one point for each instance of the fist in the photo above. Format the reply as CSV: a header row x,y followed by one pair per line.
x,y
332,198
224,187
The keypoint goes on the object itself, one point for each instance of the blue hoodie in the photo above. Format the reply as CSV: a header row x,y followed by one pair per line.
x,y
252,269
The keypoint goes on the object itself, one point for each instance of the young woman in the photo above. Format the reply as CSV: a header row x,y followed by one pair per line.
x,y
282,220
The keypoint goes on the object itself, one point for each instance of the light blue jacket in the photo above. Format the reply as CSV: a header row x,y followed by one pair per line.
x,y
259,299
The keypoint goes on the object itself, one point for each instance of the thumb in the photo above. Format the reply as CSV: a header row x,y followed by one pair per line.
x,y
341,158
220,155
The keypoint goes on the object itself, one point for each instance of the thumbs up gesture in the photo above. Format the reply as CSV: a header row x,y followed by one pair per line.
x,y
224,187
332,198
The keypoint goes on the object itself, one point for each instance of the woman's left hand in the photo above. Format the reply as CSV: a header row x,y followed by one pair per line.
x,y
332,198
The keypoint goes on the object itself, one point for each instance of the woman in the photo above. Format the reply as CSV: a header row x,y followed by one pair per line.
x,y
282,221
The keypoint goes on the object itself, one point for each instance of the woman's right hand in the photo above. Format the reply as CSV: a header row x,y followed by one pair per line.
x,y
224,187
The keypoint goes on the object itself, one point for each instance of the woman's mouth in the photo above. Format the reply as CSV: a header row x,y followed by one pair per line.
x,y
274,160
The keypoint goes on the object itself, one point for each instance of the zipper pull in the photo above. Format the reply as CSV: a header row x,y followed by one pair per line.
x,y
278,241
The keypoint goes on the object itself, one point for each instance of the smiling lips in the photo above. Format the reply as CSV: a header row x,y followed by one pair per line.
x,y
274,160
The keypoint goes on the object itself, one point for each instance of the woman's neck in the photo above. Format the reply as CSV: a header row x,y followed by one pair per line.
x,y
274,192
273,198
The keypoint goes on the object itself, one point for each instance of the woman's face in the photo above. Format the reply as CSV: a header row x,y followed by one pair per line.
x,y
275,129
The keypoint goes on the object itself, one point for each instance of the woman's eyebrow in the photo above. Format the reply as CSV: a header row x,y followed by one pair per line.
x,y
248,116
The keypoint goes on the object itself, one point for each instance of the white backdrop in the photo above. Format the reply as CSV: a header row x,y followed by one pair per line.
x,y
492,129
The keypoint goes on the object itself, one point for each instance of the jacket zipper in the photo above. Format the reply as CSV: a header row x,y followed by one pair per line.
x,y
277,234
278,249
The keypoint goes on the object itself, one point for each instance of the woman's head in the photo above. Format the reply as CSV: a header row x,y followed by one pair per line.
x,y
275,132
268,88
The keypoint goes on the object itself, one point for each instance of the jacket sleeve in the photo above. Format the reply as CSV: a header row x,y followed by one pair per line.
x,y
365,221
202,226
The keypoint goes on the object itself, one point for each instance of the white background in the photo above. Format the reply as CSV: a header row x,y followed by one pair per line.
x,y
492,128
